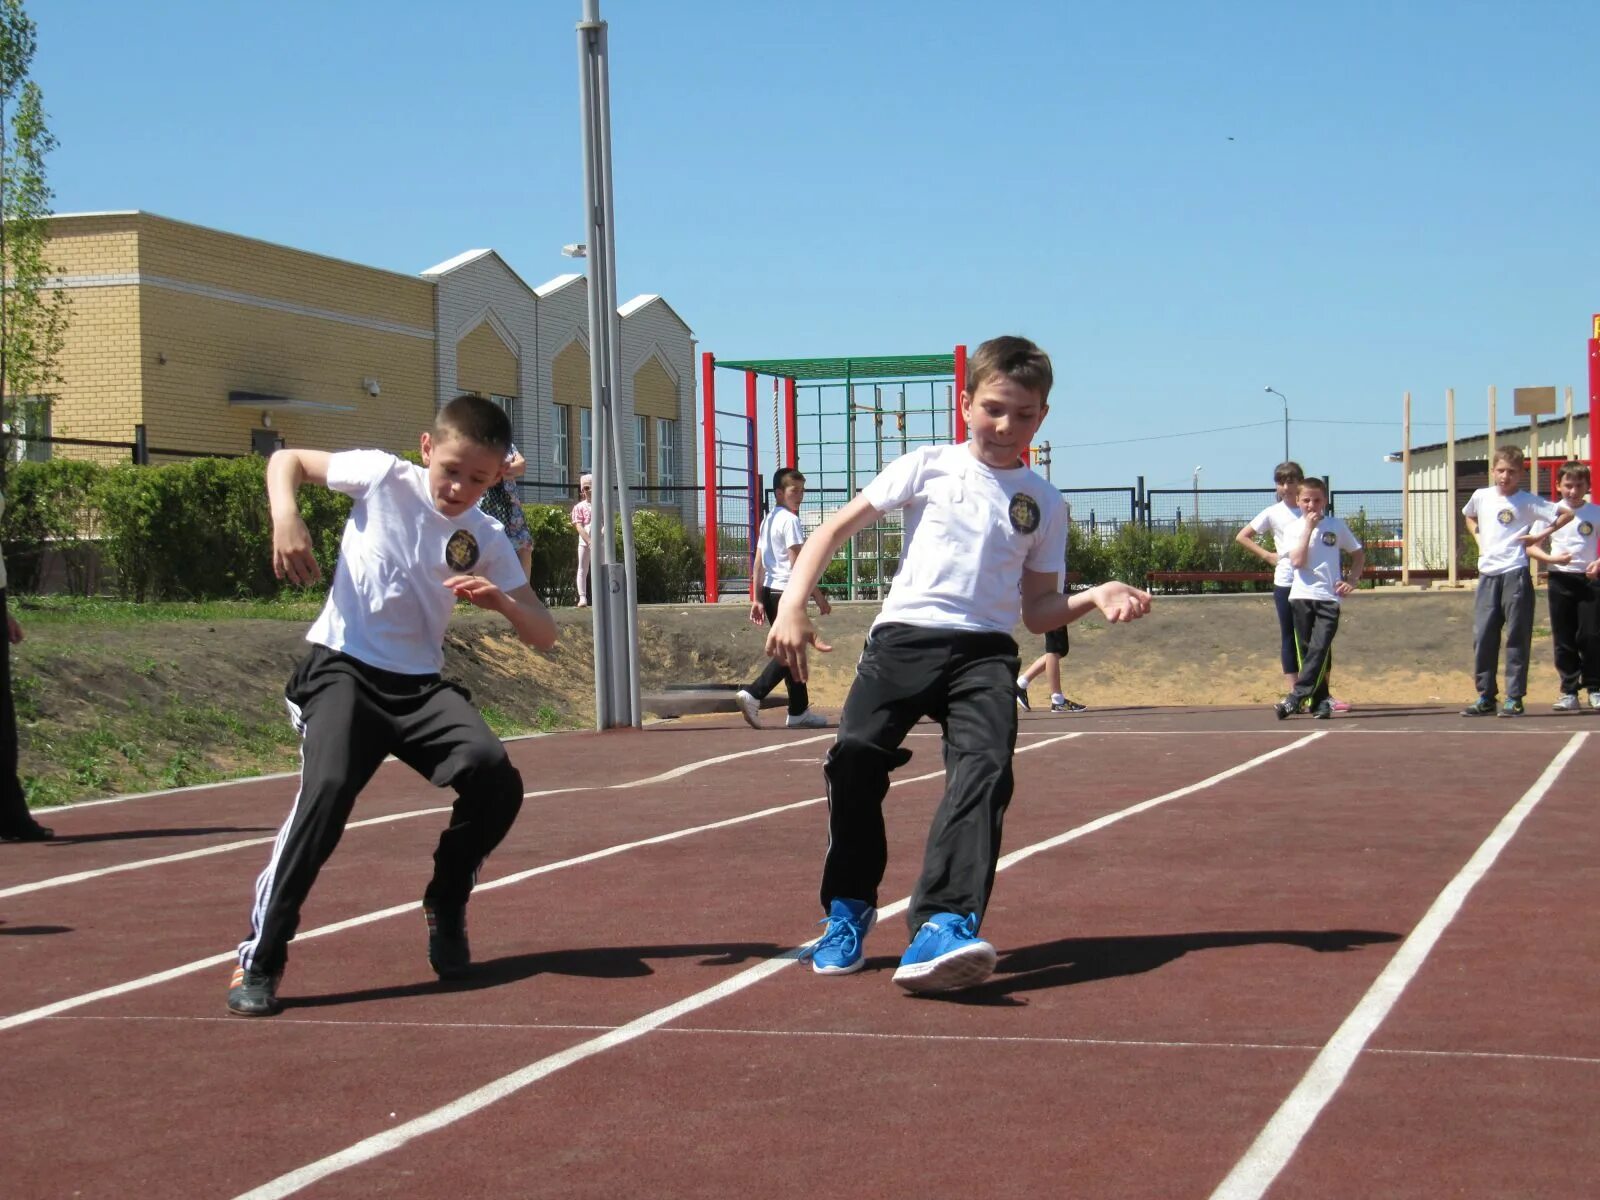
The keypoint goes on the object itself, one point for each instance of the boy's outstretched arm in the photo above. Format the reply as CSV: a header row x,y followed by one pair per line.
x,y
1247,536
1045,608
292,555
521,606
793,631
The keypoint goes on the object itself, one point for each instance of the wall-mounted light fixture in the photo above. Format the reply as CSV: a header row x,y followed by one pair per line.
x,y
266,419
370,386
161,358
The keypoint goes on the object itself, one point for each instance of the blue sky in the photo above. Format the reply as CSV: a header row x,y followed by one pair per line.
x,y
1183,203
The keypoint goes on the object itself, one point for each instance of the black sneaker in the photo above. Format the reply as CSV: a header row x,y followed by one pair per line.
x,y
1511,708
1283,708
253,993
1324,711
1060,704
1022,699
28,830
1483,706
448,952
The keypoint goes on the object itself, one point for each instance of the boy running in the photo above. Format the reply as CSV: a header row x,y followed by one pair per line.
x,y
981,529
370,685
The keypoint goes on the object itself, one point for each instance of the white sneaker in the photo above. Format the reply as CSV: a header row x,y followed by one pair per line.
x,y
1594,700
1569,702
807,720
749,707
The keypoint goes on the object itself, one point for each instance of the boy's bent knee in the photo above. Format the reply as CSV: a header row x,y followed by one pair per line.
x,y
852,753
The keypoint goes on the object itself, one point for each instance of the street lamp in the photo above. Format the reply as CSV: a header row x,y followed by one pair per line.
x,y
1274,391
1195,479
575,250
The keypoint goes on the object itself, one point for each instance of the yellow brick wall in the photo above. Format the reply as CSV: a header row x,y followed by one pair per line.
x,y
213,347
654,395
570,386
486,365
171,249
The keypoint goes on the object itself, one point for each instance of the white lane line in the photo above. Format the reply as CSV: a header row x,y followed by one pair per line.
x,y
382,914
447,1114
55,881
1253,1174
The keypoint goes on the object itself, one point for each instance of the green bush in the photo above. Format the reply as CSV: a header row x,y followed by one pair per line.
x,y
49,505
667,558
555,552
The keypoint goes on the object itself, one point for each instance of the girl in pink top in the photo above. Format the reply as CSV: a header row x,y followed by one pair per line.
x,y
582,517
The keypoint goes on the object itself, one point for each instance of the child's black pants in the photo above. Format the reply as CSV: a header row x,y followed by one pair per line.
x,y
1315,623
775,672
1575,630
967,682
350,716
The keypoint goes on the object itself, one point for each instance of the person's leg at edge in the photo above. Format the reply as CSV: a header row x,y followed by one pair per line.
x,y
1589,637
1517,601
583,573
1288,656
1487,621
1566,595
15,819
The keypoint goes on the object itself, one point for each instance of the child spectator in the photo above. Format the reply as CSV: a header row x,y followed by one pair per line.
x,y
1501,518
1574,585
502,503
981,532
1277,519
582,518
777,546
1314,544
370,686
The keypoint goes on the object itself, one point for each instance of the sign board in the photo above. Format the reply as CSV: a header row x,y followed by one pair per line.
x,y
1534,402
1596,333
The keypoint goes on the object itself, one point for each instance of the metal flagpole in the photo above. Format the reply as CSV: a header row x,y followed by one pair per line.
x,y
612,588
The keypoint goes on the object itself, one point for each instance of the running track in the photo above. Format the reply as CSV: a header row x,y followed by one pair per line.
x,y
1239,958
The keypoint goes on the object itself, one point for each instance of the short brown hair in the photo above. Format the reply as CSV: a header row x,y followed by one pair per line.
x,y
1315,484
1512,455
1018,359
1573,470
1288,472
785,476
480,421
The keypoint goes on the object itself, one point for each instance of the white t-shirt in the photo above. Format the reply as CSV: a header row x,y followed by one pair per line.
x,y
388,605
1277,520
1577,537
1316,580
779,531
1501,520
970,531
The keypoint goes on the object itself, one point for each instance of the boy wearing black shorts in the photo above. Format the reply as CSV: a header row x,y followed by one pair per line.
x,y
981,532
416,542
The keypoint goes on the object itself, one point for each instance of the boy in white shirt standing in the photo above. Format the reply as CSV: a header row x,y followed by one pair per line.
x,y
1501,518
370,685
981,532
1277,519
777,546
1574,585
1315,543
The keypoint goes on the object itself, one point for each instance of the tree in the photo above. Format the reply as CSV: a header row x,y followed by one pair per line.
x,y
33,315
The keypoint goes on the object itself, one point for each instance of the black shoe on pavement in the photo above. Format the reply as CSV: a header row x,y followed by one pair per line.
x,y
1483,706
449,954
1283,708
1324,711
253,993
1022,699
28,831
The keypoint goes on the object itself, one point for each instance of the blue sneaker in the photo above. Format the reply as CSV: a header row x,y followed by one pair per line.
x,y
946,953
839,951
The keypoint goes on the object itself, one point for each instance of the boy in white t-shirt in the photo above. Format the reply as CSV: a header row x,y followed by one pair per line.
x,y
777,546
981,531
1315,544
1502,517
1574,586
1276,520
415,543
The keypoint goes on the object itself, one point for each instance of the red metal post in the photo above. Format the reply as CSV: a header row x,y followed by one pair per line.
x,y
708,397
754,460
961,386
790,422
1594,403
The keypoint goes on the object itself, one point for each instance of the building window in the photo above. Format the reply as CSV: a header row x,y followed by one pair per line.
x,y
585,440
563,442
641,451
31,431
508,405
666,452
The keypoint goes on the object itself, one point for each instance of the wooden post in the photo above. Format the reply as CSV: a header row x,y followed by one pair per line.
x,y
1405,494
1571,447
1450,475
1533,482
1492,423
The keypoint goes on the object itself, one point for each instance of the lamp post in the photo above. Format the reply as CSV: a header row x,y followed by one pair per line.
x,y
1274,391
1195,480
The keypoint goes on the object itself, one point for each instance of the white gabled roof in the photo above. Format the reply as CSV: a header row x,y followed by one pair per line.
x,y
645,301
454,264
551,286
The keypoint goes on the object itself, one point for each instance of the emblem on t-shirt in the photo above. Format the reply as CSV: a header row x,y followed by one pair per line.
x,y
1586,527
1024,513
1504,516
1329,539
461,551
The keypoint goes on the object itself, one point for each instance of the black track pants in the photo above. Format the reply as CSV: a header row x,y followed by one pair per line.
x,y
966,682
1315,623
1575,630
351,716
775,672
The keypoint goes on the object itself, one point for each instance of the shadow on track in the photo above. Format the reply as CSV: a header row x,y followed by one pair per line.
x,y
31,930
1070,961
134,835
598,962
